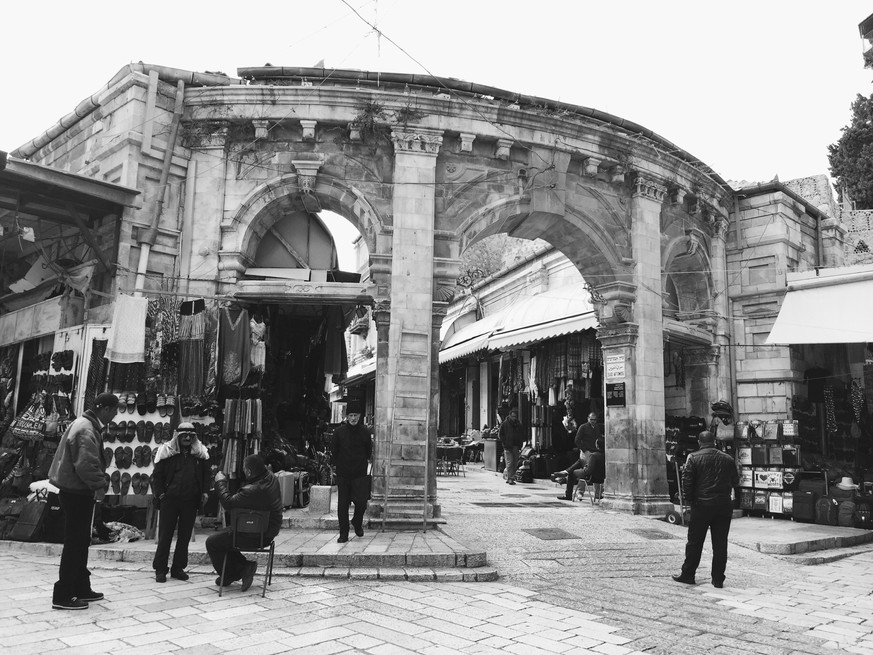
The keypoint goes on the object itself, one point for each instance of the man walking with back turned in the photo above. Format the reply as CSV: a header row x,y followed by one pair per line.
x,y
707,480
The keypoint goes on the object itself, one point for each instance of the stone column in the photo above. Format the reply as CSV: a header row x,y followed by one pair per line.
x,y
208,213
408,399
636,472
720,367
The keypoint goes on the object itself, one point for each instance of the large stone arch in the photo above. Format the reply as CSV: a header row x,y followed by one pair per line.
x,y
575,234
241,234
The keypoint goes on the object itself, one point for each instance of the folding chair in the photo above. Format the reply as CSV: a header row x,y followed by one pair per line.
x,y
455,460
251,523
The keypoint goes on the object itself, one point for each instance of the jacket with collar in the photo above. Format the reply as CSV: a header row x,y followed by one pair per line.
x,y
709,477
511,433
78,464
352,448
261,493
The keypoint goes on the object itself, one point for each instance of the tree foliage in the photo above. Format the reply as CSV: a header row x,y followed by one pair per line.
x,y
851,157
487,256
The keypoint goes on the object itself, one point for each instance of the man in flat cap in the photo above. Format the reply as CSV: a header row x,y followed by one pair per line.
x,y
77,470
352,449
708,478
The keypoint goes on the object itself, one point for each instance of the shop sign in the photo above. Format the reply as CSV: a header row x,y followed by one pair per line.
x,y
615,367
615,394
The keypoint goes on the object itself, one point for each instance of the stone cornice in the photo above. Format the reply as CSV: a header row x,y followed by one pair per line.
x,y
618,336
647,187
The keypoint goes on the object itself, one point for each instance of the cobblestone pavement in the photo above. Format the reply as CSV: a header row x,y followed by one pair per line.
x,y
601,585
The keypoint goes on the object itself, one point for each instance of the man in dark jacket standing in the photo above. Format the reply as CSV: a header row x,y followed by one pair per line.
x,y
77,470
708,479
511,435
261,492
352,448
179,484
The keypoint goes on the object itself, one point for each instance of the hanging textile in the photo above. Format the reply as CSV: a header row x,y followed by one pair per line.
x,y
235,344
96,372
192,329
259,348
243,422
127,337
577,366
211,346
559,360
335,360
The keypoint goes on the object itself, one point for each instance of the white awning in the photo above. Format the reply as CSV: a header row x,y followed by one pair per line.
x,y
830,309
470,339
360,372
528,320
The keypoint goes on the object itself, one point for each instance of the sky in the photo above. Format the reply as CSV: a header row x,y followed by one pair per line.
x,y
753,89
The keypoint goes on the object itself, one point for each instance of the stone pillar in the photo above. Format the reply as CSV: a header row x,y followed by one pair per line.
x,y
720,368
636,472
408,378
208,214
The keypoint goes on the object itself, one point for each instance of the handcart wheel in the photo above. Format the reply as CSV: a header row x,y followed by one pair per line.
x,y
673,517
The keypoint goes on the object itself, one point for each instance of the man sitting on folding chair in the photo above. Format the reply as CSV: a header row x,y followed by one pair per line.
x,y
260,492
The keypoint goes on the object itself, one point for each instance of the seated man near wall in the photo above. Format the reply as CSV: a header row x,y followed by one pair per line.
x,y
594,471
260,492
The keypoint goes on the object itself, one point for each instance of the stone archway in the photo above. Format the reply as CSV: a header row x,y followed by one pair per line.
x,y
432,175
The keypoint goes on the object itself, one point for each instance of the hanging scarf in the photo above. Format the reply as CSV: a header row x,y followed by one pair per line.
x,y
171,448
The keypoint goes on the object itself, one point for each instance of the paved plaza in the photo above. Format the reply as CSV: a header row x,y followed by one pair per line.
x,y
572,579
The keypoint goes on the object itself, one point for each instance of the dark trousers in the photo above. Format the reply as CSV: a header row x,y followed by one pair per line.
x,y
351,490
174,512
717,519
220,544
74,578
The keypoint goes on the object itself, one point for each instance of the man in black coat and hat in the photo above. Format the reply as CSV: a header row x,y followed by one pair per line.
x,y
352,448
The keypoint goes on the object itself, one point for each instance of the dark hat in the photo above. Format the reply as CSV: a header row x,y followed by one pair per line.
x,y
106,400
354,407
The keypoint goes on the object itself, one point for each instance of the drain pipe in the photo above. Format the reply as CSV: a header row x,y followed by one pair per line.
x,y
148,238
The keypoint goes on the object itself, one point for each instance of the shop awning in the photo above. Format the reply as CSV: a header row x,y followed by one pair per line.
x,y
552,314
470,339
528,320
359,373
830,308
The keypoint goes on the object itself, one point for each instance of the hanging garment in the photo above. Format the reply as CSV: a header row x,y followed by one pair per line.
x,y
127,337
210,342
192,328
259,348
96,372
235,346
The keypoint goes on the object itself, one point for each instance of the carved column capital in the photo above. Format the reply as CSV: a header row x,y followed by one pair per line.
x,y
418,140
720,227
613,302
211,134
649,188
701,356
619,336
382,318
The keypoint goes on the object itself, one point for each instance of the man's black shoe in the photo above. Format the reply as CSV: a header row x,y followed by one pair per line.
x,y
227,583
343,538
160,577
179,575
90,596
683,580
717,585
72,604
248,575
564,498
359,530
